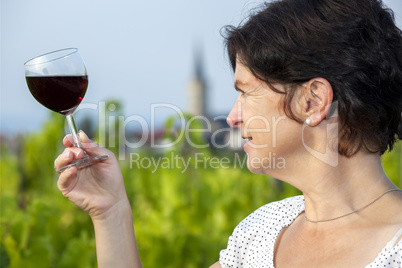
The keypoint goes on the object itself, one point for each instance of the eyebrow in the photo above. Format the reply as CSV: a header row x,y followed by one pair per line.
x,y
237,85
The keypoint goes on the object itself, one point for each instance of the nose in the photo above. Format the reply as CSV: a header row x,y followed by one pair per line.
x,y
234,118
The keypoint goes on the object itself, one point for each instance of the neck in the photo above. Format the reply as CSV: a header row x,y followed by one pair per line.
x,y
330,192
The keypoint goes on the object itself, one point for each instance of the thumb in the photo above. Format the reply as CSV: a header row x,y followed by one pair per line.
x,y
88,145
84,137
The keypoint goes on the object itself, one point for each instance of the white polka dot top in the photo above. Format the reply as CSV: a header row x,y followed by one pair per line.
x,y
252,242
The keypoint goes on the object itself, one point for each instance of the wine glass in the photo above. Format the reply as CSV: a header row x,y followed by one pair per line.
x,y
58,80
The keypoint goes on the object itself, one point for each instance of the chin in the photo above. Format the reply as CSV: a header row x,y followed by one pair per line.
x,y
255,171
267,164
253,165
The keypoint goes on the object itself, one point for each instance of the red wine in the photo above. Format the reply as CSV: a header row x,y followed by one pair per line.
x,y
61,94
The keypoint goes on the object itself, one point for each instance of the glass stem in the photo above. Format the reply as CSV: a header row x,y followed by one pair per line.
x,y
73,131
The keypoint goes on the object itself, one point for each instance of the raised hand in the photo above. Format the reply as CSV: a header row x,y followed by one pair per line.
x,y
95,189
99,190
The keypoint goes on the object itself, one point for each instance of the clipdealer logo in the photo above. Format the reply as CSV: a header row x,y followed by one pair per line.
x,y
108,134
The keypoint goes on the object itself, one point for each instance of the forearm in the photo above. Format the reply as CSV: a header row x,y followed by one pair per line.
x,y
115,239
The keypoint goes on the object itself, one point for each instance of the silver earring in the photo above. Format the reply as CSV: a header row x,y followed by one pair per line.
x,y
308,121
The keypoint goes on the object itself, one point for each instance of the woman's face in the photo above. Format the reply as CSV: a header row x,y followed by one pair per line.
x,y
272,137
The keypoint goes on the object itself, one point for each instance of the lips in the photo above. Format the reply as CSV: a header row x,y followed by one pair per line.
x,y
247,138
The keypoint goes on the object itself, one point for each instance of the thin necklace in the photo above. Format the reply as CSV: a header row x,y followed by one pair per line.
x,y
354,211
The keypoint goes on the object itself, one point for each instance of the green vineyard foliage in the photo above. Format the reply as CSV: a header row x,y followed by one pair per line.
x,y
182,218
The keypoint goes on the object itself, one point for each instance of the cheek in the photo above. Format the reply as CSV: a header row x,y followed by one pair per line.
x,y
263,126
278,134
288,136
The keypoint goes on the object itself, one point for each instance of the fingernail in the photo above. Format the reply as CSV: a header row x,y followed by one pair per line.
x,y
69,138
84,134
67,156
78,153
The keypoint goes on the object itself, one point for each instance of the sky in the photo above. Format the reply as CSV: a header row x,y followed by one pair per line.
x,y
138,52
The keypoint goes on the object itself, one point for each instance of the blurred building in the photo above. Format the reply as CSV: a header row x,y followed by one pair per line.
x,y
222,136
217,133
197,89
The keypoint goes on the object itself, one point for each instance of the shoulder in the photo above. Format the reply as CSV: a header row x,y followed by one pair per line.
x,y
258,232
390,256
290,204
275,213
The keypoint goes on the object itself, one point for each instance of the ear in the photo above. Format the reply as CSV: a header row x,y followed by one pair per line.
x,y
316,100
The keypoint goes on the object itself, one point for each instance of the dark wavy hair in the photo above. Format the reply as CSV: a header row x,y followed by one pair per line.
x,y
354,44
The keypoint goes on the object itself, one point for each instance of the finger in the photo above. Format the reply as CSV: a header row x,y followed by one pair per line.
x,y
63,159
67,156
90,146
66,180
68,140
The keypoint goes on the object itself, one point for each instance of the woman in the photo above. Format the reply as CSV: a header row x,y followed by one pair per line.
x,y
320,85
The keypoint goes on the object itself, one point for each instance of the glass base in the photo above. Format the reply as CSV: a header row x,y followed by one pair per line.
x,y
84,162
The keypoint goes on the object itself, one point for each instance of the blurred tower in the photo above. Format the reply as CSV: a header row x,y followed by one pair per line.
x,y
197,90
